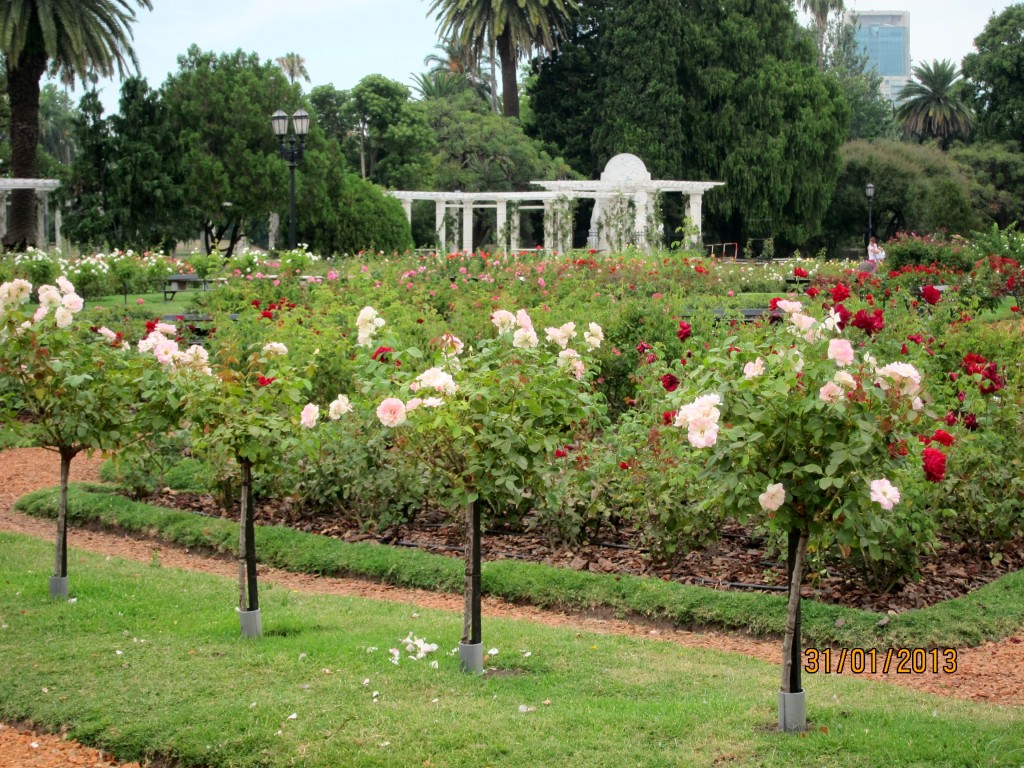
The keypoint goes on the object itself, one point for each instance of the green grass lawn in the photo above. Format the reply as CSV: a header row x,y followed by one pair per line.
x,y
148,662
154,301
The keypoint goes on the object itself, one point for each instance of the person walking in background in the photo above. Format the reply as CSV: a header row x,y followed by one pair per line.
x,y
875,252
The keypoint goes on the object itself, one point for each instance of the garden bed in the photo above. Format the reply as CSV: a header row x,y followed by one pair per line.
x,y
738,561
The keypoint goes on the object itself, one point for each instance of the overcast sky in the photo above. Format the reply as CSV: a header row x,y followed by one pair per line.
x,y
345,40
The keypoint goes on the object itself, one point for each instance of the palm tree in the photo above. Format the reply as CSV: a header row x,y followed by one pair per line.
x,y
820,10
294,67
931,108
440,86
80,36
457,58
516,27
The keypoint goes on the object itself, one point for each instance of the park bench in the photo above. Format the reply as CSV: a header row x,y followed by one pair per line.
x,y
174,283
747,315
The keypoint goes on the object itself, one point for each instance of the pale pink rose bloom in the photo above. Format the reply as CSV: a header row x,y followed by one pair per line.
x,y
40,313
49,296
885,493
195,356
831,393
391,412
561,335
917,404
702,431
773,497
801,321
147,344
841,351
437,379
65,286
594,336
433,402
577,368
704,407
789,307
525,338
73,302
503,320
63,316
413,404
339,407
903,375
310,415
523,320
16,292
106,333
845,380
273,348
754,369
165,350
166,329
451,345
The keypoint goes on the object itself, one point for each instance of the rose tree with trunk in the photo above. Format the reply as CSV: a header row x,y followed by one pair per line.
x,y
62,386
801,428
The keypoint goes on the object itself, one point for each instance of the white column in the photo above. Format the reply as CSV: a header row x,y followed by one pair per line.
x,y
56,226
273,227
513,235
467,226
42,203
640,203
440,208
407,206
501,208
3,214
695,214
548,229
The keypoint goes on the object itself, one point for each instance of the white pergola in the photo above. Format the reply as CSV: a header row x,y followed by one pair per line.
x,y
43,188
624,198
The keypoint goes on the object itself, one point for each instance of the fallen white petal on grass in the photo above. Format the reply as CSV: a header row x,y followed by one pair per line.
x,y
492,652
434,664
366,681
72,600
293,716
371,649
119,653
524,708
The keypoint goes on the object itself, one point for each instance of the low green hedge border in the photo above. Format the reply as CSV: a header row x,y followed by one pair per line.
x,y
989,613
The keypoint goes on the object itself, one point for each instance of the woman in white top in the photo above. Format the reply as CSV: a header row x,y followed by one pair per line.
x,y
875,252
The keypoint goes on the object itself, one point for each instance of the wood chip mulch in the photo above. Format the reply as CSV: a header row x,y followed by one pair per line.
x,y
993,672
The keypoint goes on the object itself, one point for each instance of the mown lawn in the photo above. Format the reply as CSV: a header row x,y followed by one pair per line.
x,y
148,661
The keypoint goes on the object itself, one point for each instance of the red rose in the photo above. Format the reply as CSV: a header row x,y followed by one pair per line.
x,y
685,330
256,303
931,294
667,417
642,347
943,437
264,381
934,464
773,303
844,315
904,350
840,292
669,382
380,355
812,291
651,357
623,465
560,453
799,272
970,421
266,314
950,419
870,324
1015,308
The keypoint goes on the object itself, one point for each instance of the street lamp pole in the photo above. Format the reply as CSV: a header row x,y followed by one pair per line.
x,y
869,190
291,152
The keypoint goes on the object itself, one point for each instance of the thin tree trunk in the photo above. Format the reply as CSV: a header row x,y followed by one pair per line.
x,y
60,557
471,631
493,76
248,594
23,95
509,75
791,654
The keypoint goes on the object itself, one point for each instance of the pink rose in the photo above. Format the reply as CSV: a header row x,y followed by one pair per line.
x,y
841,351
310,415
391,412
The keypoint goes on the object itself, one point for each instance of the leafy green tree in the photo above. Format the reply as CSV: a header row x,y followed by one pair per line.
x,y
332,109
930,107
871,113
81,36
755,111
996,171
918,188
994,76
820,11
516,28
642,104
57,115
391,135
220,107
85,193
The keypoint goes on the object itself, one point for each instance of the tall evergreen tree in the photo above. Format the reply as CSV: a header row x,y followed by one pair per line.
x,y
995,76
80,36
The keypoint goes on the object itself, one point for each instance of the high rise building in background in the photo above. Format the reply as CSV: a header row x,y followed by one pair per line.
x,y
884,36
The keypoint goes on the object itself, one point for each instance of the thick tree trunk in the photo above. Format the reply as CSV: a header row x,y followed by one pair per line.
x,y
471,625
23,94
60,557
248,594
509,74
791,653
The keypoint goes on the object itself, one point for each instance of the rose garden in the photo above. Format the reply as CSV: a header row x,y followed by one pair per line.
x,y
857,432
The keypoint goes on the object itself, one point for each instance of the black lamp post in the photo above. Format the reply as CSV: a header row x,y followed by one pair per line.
x,y
869,190
291,151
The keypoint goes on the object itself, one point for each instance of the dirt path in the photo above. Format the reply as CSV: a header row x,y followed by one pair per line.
x,y
993,672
